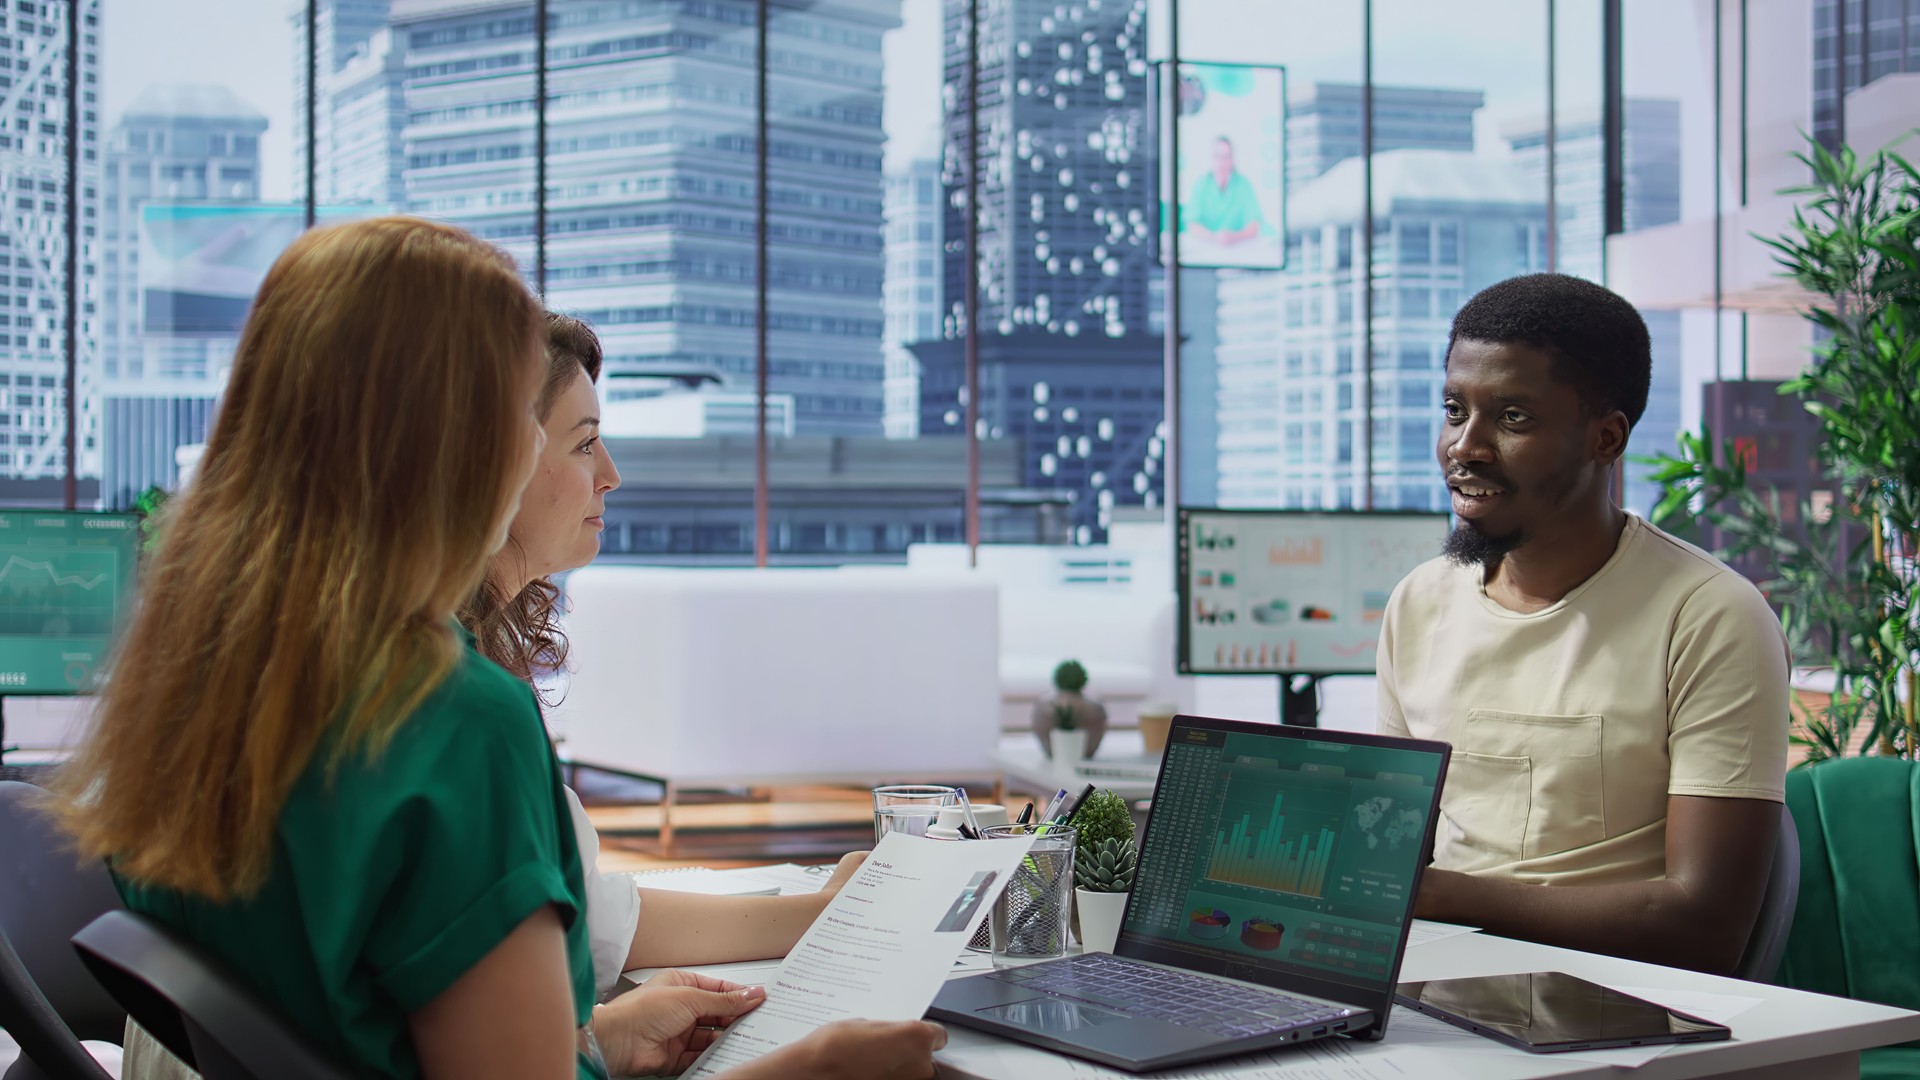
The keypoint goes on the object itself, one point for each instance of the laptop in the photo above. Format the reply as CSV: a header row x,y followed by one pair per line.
x,y
1270,905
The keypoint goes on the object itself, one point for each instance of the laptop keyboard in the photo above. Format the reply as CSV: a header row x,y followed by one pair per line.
x,y
1227,1009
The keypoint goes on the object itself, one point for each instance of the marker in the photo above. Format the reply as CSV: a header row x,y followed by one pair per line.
x,y
1026,815
1066,815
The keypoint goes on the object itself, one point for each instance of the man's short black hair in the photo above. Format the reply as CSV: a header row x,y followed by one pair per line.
x,y
1598,342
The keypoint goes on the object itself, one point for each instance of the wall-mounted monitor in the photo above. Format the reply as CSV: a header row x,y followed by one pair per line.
x,y
66,580
1292,592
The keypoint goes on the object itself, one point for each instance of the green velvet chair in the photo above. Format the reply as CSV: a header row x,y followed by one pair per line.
x,y
1856,932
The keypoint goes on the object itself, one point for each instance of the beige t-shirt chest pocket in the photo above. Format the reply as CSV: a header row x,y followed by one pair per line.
x,y
1522,786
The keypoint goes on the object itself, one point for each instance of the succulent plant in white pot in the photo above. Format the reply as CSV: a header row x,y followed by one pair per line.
x,y
1103,865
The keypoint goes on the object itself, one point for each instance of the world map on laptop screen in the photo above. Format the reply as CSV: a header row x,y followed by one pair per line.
x,y
1296,854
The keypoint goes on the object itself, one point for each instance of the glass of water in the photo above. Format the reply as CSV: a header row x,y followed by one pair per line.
x,y
909,808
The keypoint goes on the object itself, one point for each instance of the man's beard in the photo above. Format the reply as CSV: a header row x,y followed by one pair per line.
x,y
1468,546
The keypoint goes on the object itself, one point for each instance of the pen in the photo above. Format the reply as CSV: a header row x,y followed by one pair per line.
x,y
966,810
1026,815
1067,812
1053,805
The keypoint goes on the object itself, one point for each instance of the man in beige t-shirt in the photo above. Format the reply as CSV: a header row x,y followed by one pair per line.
x,y
1615,697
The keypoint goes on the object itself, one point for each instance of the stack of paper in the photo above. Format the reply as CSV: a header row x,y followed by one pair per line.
x,y
783,879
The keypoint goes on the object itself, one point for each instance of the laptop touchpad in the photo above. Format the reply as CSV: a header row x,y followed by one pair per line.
x,y
1052,1014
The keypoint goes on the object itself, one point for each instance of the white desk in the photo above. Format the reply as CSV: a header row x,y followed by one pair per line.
x,y
1789,1035
1020,758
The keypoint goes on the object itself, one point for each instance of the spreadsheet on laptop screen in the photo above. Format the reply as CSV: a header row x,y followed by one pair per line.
x,y
1292,853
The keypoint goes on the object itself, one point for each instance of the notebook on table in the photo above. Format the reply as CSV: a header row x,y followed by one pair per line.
x,y
1271,904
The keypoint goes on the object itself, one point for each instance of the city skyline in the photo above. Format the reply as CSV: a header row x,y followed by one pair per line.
x,y
147,44
456,166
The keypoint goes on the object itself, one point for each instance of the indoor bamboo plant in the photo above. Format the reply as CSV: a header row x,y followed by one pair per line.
x,y
1845,581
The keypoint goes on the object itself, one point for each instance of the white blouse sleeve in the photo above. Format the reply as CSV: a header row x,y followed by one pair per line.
x,y
613,904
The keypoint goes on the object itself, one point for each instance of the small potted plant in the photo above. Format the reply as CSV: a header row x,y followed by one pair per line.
x,y
1069,724
1103,865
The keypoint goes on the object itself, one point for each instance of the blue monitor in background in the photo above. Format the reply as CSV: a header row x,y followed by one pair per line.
x,y
66,580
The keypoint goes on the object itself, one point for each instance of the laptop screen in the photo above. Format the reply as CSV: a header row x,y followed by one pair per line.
x,y
1286,851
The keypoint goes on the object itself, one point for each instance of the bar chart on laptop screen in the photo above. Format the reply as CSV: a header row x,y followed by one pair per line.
x,y
1268,844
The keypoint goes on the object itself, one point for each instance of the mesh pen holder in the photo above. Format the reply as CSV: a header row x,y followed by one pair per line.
x,y
1030,917
982,939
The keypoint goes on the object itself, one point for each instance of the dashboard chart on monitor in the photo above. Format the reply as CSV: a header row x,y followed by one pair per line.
x,y
1288,591
65,579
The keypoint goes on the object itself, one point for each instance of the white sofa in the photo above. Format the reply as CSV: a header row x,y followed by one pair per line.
x,y
788,675
1110,608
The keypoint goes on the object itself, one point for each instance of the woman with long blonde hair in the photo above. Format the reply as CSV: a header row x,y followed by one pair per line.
x,y
300,763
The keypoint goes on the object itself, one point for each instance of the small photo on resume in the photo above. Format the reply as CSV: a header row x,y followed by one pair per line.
x,y
965,912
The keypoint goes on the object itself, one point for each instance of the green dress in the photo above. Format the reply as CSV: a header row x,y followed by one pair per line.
x,y
393,877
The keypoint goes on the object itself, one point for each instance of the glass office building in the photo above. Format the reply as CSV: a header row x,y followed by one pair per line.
x,y
176,144
647,224
35,293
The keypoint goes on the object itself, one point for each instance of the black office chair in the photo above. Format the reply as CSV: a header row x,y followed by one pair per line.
x,y
48,1002
1769,939
195,1007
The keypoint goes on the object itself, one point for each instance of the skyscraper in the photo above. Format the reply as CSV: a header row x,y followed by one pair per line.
x,y
1651,153
363,114
33,252
1845,59
914,270
1069,363
650,164
1323,127
343,35
173,145
1291,403
1288,374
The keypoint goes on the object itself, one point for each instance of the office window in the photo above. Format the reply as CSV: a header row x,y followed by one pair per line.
x,y
1416,243
1416,442
1449,245
1415,357
1415,302
1416,395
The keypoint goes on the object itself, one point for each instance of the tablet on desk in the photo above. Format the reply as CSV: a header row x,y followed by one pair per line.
x,y
1547,1012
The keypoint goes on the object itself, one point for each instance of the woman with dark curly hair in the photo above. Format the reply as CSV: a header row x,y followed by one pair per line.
x,y
514,619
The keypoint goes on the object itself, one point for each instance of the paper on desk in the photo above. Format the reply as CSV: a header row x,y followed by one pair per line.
x,y
1325,1059
781,879
881,949
1426,932
788,879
